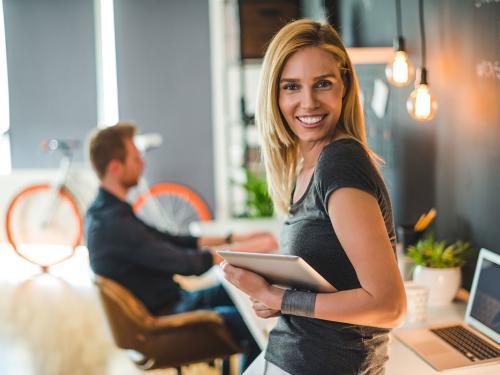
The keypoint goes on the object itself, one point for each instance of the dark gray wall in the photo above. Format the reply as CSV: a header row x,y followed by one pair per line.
x,y
163,63
51,70
407,147
452,162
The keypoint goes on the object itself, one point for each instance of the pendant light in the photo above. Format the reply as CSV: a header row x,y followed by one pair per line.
x,y
421,104
399,71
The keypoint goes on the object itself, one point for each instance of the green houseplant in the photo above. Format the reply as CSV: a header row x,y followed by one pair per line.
x,y
258,202
439,254
438,267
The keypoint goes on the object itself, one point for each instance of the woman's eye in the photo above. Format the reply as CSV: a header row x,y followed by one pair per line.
x,y
290,86
323,84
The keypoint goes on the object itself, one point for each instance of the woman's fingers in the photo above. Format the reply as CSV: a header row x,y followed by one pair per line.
x,y
259,306
248,282
230,272
269,313
262,310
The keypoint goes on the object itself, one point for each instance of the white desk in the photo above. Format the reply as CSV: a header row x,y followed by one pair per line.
x,y
401,359
259,327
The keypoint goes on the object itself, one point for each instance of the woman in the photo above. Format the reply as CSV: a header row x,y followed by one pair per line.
x,y
321,172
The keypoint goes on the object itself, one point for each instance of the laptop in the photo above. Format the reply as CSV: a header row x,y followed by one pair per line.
x,y
474,341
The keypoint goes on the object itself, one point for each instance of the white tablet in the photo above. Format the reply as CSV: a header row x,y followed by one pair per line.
x,y
284,270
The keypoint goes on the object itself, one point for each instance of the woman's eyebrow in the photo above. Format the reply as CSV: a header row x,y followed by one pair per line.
x,y
327,75
322,76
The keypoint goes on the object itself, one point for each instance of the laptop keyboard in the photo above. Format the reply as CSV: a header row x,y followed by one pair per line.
x,y
470,345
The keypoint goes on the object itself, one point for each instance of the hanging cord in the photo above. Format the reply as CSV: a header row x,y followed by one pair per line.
x,y
398,18
422,31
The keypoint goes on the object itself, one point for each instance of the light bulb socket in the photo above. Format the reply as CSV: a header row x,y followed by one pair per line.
x,y
399,44
421,77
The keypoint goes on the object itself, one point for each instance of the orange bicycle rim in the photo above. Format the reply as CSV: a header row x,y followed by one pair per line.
x,y
170,188
63,193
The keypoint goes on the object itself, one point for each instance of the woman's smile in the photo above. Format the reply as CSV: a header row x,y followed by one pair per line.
x,y
310,94
311,121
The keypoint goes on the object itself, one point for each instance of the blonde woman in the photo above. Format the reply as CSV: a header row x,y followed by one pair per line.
x,y
323,176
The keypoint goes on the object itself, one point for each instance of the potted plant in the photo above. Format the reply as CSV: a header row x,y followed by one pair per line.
x,y
258,202
438,267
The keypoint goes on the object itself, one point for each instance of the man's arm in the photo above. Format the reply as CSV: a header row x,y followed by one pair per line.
x,y
136,243
254,241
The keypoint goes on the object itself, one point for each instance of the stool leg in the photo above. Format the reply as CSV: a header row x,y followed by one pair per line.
x,y
179,370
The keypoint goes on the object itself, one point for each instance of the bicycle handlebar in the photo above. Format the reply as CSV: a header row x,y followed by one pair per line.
x,y
144,142
64,145
148,141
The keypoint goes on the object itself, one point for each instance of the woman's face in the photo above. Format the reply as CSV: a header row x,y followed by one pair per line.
x,y
310,94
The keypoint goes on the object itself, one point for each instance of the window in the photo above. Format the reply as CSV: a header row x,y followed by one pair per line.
x,y
5,159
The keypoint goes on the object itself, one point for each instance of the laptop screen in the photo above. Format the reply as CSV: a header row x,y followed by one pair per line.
x,y
486,304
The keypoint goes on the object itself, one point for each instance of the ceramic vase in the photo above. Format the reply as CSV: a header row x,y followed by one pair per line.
x,y
443,283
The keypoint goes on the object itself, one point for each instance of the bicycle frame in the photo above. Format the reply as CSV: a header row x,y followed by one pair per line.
x,y
57,185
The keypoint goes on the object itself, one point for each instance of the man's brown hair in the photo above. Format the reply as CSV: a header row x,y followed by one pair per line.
x,y
108,144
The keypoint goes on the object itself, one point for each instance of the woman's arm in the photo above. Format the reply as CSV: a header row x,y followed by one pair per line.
x,y
360,228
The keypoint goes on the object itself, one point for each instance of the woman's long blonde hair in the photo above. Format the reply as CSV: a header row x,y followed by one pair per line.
x,y
280,148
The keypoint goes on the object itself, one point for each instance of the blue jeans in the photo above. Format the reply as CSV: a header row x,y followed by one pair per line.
x,y
216,299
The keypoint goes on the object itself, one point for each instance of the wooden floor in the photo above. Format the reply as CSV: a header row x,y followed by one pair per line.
x,y
50,324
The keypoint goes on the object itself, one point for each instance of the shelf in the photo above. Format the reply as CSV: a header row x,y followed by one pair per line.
x,y
370,55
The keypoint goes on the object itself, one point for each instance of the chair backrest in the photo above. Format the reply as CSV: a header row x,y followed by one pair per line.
x,y
166,341
126,315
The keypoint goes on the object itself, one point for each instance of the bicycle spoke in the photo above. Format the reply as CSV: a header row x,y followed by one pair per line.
x,y
175,208
26,232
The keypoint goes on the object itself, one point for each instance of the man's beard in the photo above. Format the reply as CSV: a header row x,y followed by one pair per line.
x,y
129,183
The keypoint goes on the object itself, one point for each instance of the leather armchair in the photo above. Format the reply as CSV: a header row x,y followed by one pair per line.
x,y
165,341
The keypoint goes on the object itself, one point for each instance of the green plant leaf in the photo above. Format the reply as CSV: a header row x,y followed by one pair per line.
x,y
430,253
258,202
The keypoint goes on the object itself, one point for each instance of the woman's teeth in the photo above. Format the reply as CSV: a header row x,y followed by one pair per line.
x,y
310,120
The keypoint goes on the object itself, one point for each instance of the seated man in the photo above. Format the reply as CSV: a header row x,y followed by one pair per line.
x,y
144,259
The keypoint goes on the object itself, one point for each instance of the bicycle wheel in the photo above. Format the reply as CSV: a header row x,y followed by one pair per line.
x,y
172,207
44,226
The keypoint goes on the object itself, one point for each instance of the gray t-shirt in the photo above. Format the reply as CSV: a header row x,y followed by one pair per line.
x,y
302,345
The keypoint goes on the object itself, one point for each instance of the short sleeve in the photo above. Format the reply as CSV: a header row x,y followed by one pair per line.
x,y
344,164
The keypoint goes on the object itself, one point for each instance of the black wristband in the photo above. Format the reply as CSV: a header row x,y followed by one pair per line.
x,y
299,303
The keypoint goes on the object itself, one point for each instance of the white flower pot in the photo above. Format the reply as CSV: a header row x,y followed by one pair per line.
x,y
443,283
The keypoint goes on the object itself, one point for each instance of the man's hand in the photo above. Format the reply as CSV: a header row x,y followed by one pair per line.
x,y
217,258
255,242
252,236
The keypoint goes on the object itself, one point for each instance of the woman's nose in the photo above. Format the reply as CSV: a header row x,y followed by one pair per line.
x,y
308,99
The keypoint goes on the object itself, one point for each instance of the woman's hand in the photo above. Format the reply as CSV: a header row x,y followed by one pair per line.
x,y
264,311
253,285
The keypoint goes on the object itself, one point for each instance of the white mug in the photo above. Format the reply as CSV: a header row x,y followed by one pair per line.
x,y
416,297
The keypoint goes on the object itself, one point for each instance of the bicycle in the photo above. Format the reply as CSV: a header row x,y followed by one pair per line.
x,y
49,215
